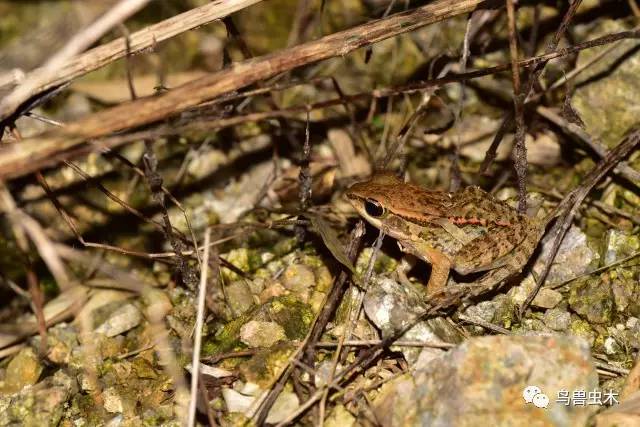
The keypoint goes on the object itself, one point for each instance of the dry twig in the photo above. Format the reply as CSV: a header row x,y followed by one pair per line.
x,y
38,78
38,152
573,201
197,333
76,66
520,150
35,153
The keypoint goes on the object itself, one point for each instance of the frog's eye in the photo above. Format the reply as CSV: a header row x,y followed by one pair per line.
x,y
373,208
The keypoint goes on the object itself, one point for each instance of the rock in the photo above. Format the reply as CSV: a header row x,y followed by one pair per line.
x,y
340,417
481,382
212,371
544,150
23,370
273,290
611,346
547,298
257,285
65,381
242,401
391,306
267,363
299,279
261,334
42,405
235,401
556,319
239,297
61,340
284,406
484,310
575,257
238,196
592,299
112,400
626,291
606,90
325,371
581,328
499,311
292,315
632,333
157,304
102,303
620,245
123,319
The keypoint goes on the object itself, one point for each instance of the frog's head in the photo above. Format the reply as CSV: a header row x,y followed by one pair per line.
x,y
392,205
374,199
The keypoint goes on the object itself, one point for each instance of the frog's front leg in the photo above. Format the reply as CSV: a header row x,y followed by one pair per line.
x,y
440,264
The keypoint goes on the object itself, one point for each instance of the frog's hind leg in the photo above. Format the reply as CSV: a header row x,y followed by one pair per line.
x,y
510,266
492,250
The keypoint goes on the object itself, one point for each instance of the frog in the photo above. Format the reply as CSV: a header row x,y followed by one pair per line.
x,y
468,231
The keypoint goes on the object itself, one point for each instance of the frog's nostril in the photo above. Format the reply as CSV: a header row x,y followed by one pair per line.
x,y
373,208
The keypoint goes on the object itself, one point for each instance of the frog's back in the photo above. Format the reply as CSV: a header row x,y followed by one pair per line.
x,y
506,233
473,203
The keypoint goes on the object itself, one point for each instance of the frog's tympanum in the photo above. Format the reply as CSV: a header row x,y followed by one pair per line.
x,y
467,230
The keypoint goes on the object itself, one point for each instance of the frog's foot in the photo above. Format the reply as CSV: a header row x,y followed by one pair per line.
x,y
406,264
403,248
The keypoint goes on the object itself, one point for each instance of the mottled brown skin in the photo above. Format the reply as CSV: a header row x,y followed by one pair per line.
x,y
468,230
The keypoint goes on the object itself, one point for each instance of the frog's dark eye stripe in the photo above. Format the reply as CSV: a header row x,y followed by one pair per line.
x,y
373,208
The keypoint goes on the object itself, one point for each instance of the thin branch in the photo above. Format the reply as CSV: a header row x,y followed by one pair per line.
x,y
623,168
48,149
304,180
80,42
534,75
613,158
146,38
520,149
242,74
197,339
306,351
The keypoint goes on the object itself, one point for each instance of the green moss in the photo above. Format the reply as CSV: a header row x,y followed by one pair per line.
x,y
504,311
592,299
294,316
266,363
82,406
238,257
582,329
227,338
144,369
